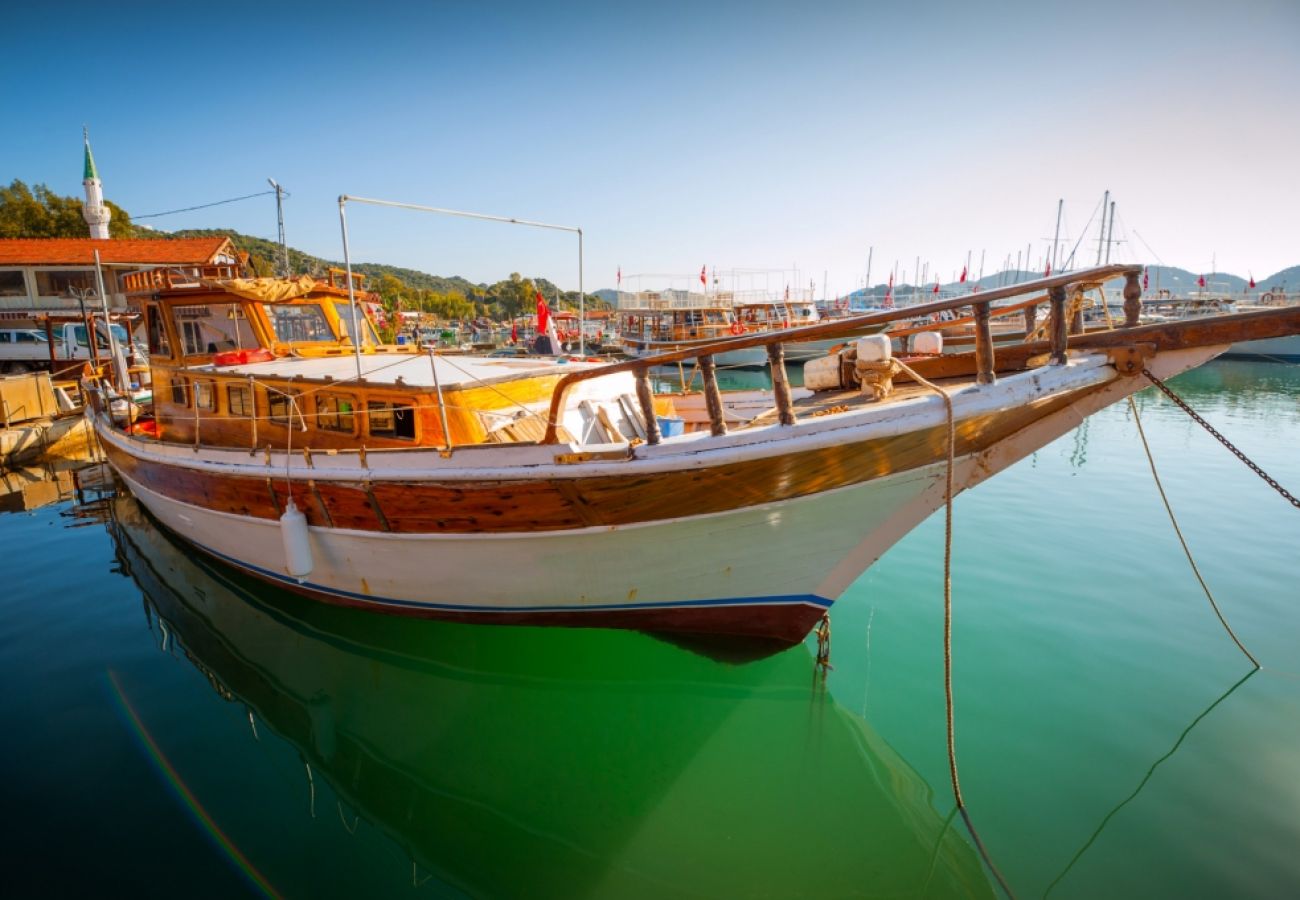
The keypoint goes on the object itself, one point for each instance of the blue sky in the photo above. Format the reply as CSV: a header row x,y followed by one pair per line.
x,y
748,135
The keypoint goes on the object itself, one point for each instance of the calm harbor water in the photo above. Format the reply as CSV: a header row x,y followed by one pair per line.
x,y
173,728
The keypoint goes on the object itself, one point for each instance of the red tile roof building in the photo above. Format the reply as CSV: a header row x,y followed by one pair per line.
x,y
41,275
140,252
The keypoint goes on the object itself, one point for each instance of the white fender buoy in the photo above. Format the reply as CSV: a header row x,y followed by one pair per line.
x,y
927,342
874,348
297,543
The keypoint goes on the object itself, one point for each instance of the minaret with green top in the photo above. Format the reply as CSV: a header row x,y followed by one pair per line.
x,y
94,211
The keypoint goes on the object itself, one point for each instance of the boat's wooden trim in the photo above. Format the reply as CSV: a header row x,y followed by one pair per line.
x,y
841,328
1160,337
431,507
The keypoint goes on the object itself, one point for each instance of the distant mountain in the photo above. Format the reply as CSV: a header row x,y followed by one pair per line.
x,y
1282,280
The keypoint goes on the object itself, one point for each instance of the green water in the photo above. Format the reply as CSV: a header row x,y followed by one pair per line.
x,y
175,729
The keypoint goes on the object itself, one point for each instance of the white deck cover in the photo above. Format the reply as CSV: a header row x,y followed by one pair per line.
x,y
413,368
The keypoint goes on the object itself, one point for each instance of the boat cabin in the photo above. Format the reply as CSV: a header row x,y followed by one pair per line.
x,y
699,323
260,363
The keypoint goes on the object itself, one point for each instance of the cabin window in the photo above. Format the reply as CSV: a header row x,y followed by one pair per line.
x,y
302,322
392,420
334,412
12,284
214,328
205,395
180,396
344,311
239,401
158,343
278,408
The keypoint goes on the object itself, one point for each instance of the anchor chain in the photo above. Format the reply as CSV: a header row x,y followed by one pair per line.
x,y
1250,464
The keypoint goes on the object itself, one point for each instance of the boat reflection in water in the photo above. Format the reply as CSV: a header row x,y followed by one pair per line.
x,y
520,761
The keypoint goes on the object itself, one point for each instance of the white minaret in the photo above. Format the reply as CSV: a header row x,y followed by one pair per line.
x,y
94,211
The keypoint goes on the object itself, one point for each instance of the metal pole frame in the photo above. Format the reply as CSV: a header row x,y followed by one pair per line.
x,y
508,220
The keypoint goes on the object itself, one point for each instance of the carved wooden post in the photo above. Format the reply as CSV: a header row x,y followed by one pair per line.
x,y
712,396
646,396
1076,318
1132,299
983,345
780,384
1058,323
1031,318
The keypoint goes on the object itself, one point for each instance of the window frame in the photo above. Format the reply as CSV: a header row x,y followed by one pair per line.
x,y
391,408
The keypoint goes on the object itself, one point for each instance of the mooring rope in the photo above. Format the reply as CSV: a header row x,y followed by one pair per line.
x,y
947,621
1178,532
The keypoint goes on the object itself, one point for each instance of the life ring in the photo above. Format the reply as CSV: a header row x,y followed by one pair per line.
x,y
737,328
242,357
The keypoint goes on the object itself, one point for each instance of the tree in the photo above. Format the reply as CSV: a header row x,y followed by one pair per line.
x,y
512,297
40,213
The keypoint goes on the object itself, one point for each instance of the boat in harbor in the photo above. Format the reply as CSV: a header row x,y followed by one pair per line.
x,y
558,491
656,322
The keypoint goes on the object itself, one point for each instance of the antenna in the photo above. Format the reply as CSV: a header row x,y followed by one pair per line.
x,y
280,194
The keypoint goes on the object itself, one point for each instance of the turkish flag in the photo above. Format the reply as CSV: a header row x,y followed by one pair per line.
x,y
1144,279
1252,281
543,314
1201,281
1049,269
963,274
936,288
703,280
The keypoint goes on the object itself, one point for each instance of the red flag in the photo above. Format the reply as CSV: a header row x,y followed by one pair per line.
x,y
1048,273
1201,281
703,280
543,314
514,331
963,275
1252,281
619,276
1145,282
936,288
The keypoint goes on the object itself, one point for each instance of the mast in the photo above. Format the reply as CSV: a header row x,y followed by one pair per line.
x,y
1105,200
1060,208
1110,231
279,216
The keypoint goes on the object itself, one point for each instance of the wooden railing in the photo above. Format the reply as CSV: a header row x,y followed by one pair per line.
x,y
162,279
1052,290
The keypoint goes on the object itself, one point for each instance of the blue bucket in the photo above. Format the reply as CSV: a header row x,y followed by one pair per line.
x,y
671,426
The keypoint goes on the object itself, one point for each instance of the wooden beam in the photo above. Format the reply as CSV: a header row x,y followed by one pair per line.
x,y
1058,325
1132,300
780,384
712,396
646,397
983,345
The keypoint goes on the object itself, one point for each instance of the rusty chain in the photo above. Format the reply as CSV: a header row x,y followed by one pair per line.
x,y
1182,404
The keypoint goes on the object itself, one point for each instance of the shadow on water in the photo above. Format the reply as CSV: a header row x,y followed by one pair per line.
x,y
514,761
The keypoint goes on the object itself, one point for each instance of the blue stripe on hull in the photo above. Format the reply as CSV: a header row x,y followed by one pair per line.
x,y
294,584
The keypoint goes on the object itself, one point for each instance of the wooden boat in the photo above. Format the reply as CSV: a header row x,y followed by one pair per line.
x,y
545,491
